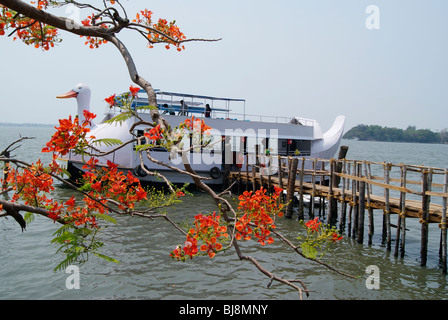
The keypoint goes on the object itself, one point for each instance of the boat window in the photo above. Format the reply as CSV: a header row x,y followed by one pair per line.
x,y
138,134
294,147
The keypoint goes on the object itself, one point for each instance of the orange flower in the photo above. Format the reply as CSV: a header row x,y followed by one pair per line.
x,y
313,225
154,134
259,211
69,135
335,237
195,125
180,194
134,91
89,116
209,230
111,100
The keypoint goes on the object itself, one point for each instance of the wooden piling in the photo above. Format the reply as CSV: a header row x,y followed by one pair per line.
x,y
443,228
254,181
269,177
335,167
353,199
387,236
361,211
426,186
291,188
301,206
332,209
401,224
280,172
343,200
355,189
313,190
368,206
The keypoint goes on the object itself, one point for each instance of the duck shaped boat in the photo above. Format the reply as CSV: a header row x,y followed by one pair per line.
x,y
233,136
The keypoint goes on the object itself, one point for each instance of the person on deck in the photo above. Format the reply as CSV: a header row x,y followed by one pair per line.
x,y
183,109
168,109
208,110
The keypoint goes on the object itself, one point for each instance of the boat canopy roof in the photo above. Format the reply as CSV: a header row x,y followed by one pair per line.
x,y
171,103
193,96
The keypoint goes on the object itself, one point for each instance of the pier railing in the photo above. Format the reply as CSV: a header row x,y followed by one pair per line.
x,y
350,188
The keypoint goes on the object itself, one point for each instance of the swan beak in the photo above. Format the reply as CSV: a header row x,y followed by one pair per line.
x,y
70,94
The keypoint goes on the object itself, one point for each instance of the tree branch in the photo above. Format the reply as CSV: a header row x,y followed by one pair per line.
x,y
55,21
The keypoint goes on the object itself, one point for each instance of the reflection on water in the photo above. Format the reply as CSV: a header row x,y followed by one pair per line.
x,y
147,272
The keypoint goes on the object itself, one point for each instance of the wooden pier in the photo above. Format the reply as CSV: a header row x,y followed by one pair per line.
x,y
351,190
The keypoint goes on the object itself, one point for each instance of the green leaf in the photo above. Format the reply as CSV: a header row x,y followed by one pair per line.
x,y
71,259
64,237
65,172
29,217
308,250
62,229
105,217
82,232
107,258
120,117
108,142
146,108
85,187
142,147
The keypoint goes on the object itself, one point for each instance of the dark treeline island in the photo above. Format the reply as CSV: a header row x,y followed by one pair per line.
x,y
411,134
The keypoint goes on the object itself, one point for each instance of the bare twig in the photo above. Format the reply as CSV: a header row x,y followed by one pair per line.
x,y
296,249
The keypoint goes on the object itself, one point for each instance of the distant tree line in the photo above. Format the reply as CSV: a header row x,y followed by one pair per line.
x,y
411,134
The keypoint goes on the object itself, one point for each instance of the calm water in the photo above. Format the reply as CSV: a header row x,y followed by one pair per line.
x,y
147,272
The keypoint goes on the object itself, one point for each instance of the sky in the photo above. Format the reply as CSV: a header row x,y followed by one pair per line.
x,y
307,58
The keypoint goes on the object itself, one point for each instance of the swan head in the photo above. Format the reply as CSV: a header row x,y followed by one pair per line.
x,y
82,94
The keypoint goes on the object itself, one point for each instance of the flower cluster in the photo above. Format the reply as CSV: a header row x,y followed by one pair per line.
x,y
107,182
258,212
196,125
30,31
70,135
93,42
124,99
111,100
162,31
41,4
258,215
154,134
313,225
34,32
318,238
30,184
209,230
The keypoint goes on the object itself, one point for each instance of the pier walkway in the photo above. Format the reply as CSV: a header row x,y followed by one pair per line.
x,y
352,188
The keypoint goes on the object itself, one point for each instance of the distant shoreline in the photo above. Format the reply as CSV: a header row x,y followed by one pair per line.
x,y
8,124
364,132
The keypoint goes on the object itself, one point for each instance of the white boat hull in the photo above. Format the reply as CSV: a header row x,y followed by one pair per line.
x,y
231,138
